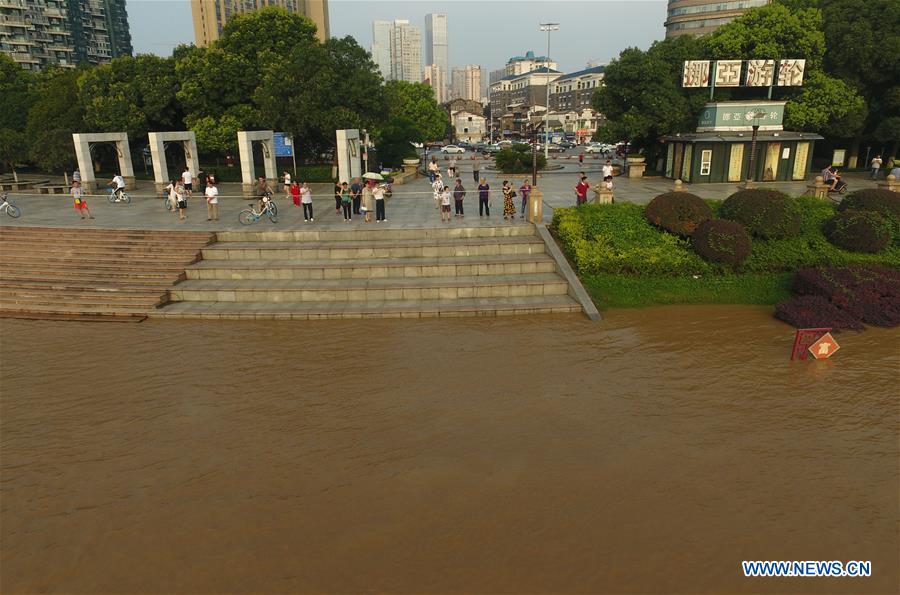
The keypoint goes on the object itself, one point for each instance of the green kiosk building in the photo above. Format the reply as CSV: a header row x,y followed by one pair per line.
x,y
720,150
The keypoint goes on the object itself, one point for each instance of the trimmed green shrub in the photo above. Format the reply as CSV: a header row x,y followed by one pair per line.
x,y
517,159
860,231
767,214
722,242
617,239
873,199
678,212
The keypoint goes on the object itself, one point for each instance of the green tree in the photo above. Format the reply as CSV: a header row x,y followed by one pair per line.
x,y
54,116
265,35
642,97
15,96
13,149
415,102
319,88
213,82
394,141
215,135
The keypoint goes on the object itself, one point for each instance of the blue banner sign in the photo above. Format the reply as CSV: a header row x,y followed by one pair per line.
x,y
284,145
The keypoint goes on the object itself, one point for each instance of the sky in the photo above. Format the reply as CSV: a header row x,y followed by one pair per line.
x,y
486,32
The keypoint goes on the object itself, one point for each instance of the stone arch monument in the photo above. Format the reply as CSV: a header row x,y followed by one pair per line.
x,y
83,144
158,142
246,138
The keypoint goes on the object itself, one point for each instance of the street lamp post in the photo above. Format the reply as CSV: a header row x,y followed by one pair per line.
x,y
751,173
548,27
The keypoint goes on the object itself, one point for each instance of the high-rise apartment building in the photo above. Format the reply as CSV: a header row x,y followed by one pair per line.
x,y
434,76
521,64
436,38
465,83
36,34
699,17
406,52
382,32
210,16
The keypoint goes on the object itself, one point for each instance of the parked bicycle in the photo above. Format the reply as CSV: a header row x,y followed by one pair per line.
x,y
250,215
122,196
11,209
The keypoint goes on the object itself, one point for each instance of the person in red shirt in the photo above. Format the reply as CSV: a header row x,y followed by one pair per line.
x,y
295,193
581,190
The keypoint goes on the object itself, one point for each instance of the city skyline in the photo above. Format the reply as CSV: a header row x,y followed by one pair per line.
x,y
620,25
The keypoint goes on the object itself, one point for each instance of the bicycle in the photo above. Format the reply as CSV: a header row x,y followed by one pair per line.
x,y
250,215
11,209
123,196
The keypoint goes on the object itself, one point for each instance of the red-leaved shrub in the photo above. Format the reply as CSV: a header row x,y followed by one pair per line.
x,y
813,311
678,212
867,293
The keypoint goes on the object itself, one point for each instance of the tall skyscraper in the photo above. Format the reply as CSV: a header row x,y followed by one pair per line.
x,y
406,52
211,15
436,41
699,17
434,76
63,32
382,32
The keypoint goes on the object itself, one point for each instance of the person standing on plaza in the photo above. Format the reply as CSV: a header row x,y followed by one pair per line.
x,y
876,166
78,198
187,180
525,191
212,202
306,201
509,205
476,168
337,197
608,169
459,193
356,195
437,187
581,190
177,197
200,182
581,158
287,185
433,169
295,193
368,200
484,198
445,204
378,194
346,202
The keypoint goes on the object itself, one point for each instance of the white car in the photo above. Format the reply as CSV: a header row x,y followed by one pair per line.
x,y
592,148
452,149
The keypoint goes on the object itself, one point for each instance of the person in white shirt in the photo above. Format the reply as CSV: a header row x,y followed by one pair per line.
x,y
118,185
212,202
378,193
445,204
437,187
287,186
433,169
187,178
607,169
876,166
176,197
306,201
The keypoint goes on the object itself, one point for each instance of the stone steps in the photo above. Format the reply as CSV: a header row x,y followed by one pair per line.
x,y
456,308
377,235
412,288
370,268
97,274
382,249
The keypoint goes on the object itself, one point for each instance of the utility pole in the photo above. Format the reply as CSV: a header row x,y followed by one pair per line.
x,y
548,27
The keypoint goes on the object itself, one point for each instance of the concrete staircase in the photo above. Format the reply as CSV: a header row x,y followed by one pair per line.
x,y
91,274
377,273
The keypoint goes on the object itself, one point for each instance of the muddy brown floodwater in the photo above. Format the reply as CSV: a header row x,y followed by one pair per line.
x,y
652,452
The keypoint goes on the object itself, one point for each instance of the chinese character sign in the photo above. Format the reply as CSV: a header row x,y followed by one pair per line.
x,y
760,73
695,74
728,73
790,73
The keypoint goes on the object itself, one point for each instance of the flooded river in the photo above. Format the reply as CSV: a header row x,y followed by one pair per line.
x,y
652,452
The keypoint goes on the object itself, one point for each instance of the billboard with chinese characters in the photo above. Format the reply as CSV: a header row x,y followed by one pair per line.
x,y
758,73
283,145
733,116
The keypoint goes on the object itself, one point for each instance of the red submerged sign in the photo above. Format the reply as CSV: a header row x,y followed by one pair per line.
x,y
824,347
805,338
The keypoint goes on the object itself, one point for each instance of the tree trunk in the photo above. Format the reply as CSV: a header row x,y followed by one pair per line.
x,y
15,175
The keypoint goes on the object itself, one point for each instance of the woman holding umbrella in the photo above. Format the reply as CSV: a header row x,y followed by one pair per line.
x,y
368,197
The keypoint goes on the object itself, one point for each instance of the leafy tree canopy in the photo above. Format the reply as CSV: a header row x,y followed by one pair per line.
x,y
415,102
15,97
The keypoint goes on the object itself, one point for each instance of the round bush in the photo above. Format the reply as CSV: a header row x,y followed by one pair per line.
x,y
859,231
814,311
721,241
678,212
873,199
767,214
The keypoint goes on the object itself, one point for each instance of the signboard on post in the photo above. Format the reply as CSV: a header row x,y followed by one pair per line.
x,y
825,347
727,73
283,145
805,338
741,115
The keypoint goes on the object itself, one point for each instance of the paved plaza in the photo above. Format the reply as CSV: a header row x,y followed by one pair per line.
x,y
412,204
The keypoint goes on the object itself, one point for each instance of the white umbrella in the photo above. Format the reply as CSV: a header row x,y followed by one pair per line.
x,y
373,176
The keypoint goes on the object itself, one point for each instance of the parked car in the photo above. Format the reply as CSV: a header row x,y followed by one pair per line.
x,y
452,149
434,145
565,144
592,148
556,148
491,149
